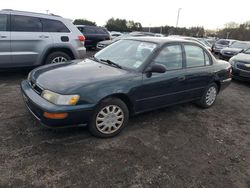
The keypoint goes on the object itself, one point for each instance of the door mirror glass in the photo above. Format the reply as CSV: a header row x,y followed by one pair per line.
x,y
157,68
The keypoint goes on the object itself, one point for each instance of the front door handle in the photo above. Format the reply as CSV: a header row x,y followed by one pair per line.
x,y
43,36
3,36
181,78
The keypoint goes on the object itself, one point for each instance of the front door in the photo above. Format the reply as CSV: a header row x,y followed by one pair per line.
x,y
28,41
162,89
5,50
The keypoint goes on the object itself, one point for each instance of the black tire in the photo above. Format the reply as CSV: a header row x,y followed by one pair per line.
x,y
94,130
203,101
54,55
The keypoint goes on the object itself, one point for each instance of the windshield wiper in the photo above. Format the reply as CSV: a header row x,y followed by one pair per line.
x,y
111,63
94,58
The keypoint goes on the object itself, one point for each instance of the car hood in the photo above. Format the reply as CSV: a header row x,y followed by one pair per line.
x,y
106,42
65,78
242,57
220,46
234,50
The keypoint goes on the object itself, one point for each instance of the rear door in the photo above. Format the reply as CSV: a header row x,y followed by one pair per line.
x,y
199,72
58,31
5,51
28,41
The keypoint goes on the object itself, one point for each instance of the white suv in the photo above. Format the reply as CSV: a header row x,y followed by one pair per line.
x,y
33,39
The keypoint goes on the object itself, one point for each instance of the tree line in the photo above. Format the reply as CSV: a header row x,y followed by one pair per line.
x,y
113,24
231,30
236,31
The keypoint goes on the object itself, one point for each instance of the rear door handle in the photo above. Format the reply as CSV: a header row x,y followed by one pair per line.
x,y
181,78
3,37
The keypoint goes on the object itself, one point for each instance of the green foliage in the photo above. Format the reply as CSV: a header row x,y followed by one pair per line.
x,y
122,25
83,22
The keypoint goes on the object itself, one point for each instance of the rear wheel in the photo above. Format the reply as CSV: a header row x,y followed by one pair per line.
x,y
209,96
57,57
109,118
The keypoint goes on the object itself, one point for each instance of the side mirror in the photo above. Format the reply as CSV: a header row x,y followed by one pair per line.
x,y
242,51
158,68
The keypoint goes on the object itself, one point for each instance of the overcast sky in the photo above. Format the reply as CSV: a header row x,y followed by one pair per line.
x,y
211,14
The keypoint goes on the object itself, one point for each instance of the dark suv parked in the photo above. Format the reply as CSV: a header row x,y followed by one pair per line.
x,y
93,35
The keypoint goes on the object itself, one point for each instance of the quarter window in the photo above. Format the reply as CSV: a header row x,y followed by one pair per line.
x,y
25,24
195,56
3,22
171,57
54,26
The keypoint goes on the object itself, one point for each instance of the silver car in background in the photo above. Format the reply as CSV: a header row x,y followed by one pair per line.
x,y
221,44
33,39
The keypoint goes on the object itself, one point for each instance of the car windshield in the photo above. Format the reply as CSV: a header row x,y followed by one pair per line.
x,y
247,51
223,42
240,45
130,54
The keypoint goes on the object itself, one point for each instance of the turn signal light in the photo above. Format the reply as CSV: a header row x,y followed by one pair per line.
x,y
81,38
55,115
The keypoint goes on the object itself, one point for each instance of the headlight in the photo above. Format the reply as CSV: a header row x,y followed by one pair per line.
x,y
29,76
60,99
231,62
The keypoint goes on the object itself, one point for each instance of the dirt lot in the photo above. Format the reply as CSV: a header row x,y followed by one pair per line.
x,y
181,146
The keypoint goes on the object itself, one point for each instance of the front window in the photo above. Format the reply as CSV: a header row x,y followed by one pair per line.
x,y
240,45
171,57
3,22
130,54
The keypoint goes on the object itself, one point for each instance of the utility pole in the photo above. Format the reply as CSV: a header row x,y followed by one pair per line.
x,y
178,15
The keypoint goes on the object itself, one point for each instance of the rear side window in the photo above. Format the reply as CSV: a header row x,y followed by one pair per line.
x,y
25,24
54,26
171,57
100,31
195,56
88,30
3,22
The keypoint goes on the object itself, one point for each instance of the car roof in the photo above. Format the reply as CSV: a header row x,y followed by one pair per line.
x,y
27,13
159,40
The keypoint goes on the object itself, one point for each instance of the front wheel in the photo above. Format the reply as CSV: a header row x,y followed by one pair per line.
x,y
209,96
109,118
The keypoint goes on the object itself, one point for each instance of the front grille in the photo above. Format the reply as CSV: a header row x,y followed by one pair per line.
x,y
36,88
242,66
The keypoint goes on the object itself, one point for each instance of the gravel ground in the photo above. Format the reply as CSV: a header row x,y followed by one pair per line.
x,y
180,146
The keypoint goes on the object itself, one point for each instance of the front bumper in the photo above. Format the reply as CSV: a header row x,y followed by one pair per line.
x,y
241,74
77,115
226,56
